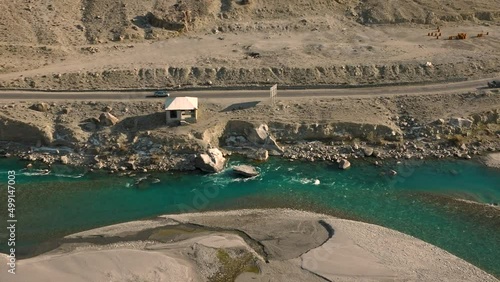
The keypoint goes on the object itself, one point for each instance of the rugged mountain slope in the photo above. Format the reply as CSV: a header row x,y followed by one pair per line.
x,y
71,22
41,41
41,22
426,11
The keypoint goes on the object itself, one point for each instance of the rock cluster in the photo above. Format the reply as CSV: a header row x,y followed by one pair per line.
x,y
40,107
317,151
164,21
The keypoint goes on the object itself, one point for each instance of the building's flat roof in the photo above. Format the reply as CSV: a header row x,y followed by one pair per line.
x,y
181,103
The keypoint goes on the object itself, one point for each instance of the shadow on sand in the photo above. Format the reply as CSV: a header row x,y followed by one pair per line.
x,y
240,106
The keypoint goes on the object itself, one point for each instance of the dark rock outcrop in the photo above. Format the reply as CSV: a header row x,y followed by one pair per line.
x,y
461,122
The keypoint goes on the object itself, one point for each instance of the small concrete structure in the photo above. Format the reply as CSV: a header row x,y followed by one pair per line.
x,y
181,110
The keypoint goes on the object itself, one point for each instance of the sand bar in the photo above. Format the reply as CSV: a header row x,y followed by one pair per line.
x,y
284,245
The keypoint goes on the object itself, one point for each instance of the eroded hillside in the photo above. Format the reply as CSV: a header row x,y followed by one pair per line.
x,y
40,39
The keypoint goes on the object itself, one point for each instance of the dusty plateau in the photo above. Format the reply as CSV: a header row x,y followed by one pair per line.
x,y
75,45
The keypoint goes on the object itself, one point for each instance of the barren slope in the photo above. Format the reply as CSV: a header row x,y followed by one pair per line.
x,y
42,38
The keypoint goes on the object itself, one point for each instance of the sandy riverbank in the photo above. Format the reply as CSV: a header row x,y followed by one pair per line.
x,y
245,245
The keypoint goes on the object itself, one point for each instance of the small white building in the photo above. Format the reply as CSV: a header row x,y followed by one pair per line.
x,y
181,109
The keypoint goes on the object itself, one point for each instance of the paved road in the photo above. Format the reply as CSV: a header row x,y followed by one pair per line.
x,y
455,87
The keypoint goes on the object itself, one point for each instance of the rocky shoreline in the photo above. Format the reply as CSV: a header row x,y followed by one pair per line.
x,y
213,160
493,160
308,151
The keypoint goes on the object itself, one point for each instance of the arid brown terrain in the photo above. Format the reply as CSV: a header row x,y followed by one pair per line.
x,y
67,44
131,44
140,45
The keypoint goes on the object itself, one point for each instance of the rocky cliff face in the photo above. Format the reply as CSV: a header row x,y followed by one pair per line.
x,y
19,131
335,131
239,133
75,22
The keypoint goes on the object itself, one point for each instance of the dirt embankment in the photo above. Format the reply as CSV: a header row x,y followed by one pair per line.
x,y
227,76
132,136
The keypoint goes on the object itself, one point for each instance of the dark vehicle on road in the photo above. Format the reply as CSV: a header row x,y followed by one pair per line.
x,y
494,84
161,93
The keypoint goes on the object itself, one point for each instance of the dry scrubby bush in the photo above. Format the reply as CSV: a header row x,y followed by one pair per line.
x,y
231,266
457,140
373,138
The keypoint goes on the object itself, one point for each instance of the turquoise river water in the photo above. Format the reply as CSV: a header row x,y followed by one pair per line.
x,y
420,200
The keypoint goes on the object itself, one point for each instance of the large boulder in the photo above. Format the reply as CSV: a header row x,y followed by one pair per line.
x,y
344,164
245,170
107,119
259,134
40,107
64,160
259,155
487,117
368,151
212,161
89,126
461,122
